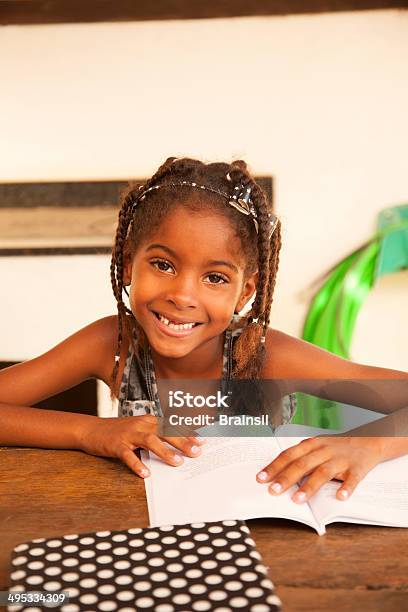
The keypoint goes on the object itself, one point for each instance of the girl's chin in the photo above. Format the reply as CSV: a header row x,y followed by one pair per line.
x,y
174,352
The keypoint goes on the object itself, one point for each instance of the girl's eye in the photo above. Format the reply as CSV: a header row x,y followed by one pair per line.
x,y
217,279
162,265
165,266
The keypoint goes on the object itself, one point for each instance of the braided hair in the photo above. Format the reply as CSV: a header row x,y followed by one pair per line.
x,y
261,252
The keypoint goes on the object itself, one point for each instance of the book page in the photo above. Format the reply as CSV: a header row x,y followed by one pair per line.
x,y
220,484
293,430
381,498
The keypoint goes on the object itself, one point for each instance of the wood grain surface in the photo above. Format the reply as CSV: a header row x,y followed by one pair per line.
x,y
47,493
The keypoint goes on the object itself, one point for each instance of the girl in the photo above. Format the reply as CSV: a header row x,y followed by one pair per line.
x,y
195,244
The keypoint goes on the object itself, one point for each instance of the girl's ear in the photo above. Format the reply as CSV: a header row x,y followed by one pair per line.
x,y
127,266
247,292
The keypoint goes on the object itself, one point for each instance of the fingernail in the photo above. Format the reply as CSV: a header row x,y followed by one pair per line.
x,y
195,450
262,476
276,488
177,459
144,472
299,497
343,493
200,440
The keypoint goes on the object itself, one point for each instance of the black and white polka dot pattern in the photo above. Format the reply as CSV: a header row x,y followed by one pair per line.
x,y
189,568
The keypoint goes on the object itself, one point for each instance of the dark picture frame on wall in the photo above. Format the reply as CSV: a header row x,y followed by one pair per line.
x,y
65,218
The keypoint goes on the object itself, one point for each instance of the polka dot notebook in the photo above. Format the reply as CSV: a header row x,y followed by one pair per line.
x,y
200,566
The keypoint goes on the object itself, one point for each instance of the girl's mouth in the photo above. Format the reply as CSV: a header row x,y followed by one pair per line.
x,y
173,327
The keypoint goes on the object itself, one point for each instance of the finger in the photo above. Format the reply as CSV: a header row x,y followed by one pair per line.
x,y
285,458
153,443
133,462
295,471
188,446
340,476
350,482
198,440
324,473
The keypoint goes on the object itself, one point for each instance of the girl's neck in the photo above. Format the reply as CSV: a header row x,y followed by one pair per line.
x,y
204,362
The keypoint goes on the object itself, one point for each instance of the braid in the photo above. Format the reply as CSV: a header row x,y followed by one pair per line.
x,y
258,308
249,351
116,273
273,269
116,268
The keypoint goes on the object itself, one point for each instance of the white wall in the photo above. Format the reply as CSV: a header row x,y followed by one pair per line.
x,y
318,101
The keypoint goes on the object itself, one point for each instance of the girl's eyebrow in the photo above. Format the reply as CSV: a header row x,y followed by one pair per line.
x,y
213,262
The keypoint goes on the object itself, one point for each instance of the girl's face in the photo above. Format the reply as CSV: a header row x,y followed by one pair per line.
x,y
187,279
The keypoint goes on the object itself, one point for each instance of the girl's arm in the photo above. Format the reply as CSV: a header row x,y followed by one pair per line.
x,y
83,355
89,353
348,457
304,367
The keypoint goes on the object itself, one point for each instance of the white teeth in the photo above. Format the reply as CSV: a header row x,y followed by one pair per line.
x,y
175,325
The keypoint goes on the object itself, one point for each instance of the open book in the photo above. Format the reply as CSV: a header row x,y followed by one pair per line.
x,y
221,484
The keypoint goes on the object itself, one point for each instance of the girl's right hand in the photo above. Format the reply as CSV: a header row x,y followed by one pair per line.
x,y
120,437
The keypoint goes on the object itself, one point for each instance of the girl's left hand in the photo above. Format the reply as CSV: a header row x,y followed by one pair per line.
x,y
322,459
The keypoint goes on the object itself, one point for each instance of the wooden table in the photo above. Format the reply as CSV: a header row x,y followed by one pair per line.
x,y
45,493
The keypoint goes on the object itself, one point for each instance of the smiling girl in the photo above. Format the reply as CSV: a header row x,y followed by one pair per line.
x,y
195,244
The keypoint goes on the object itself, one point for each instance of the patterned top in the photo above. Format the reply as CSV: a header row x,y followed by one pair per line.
x,y
138,394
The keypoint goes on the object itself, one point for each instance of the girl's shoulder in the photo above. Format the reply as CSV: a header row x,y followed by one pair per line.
x,y
291,357
310,369
280,355
100,340
88,353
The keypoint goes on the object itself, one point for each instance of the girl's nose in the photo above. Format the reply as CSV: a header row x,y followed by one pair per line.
x,y
183,293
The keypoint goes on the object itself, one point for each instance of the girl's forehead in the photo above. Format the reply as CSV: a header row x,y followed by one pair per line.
x,y
197,233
